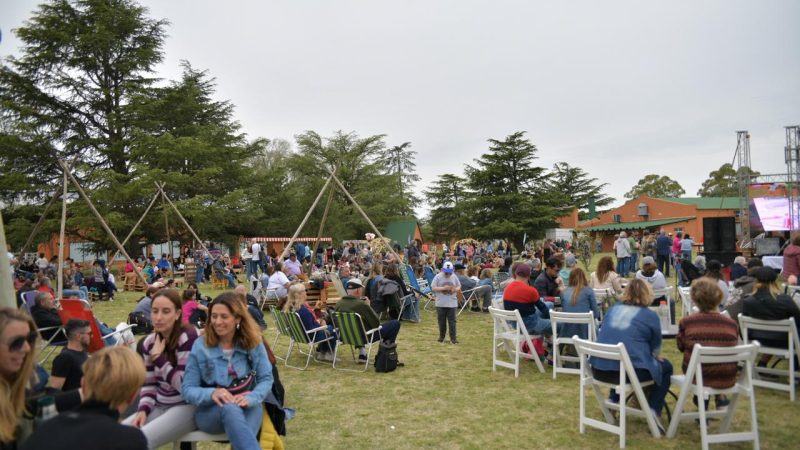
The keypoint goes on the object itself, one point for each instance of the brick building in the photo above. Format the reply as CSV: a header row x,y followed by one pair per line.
x,y
654,214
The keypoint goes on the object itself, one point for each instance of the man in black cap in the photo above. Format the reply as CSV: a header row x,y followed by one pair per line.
x,y
479,292
356,302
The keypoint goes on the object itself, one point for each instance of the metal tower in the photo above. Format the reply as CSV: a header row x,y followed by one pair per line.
x,y
792,155
743,181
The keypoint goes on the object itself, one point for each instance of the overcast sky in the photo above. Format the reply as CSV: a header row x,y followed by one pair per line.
x,y
620,88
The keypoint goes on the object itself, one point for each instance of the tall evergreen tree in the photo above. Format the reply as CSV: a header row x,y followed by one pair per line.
x,y
511,198
400,164
448,197
574,184
69,96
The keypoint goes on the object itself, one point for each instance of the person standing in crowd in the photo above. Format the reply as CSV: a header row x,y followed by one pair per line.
x,y
623,251
67,369
663,252
255,262
791,258
445,286
633,242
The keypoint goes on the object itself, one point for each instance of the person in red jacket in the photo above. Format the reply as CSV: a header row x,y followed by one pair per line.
x,y
791,258
523,297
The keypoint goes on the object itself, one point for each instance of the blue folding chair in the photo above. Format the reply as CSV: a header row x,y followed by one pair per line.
x,y
415,287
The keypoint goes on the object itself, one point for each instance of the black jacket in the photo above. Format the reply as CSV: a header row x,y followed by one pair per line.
x,y
91,426
761,305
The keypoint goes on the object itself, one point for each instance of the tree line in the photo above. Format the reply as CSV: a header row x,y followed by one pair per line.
x,y
84,90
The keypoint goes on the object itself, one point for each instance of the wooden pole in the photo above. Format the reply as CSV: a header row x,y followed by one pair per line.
x,y
7,292
103,223
166,226
61,240
305,219
133,230
321,227
363,214
39,223
180,216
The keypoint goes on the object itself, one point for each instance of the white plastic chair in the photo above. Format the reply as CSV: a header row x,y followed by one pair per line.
x,y
557,317
687,305
692,384
748,324
198,436
510,333
602,296
628,381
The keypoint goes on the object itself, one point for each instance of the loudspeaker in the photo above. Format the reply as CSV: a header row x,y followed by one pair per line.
x,y
719,234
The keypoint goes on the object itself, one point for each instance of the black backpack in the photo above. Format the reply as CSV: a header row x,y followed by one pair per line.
x,y
140,323
386,360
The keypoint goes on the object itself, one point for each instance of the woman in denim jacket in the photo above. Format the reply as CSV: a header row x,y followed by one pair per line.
x,y
232,348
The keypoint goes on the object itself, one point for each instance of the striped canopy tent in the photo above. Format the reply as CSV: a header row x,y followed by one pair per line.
x,y
284,239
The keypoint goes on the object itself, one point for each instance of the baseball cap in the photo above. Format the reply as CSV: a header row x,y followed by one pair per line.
x,y
447,267
354,283
523,270
459,266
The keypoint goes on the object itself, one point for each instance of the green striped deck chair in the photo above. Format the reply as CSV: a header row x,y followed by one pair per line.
x,y
281,327
298,335
350,329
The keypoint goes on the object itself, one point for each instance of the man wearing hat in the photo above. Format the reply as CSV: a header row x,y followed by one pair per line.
x,y
445,285
518,295
471,288
356,302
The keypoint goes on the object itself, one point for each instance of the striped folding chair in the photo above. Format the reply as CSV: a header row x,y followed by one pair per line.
x,y
300,336
350,329
281,327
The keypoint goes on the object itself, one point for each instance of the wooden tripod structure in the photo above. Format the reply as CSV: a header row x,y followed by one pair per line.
x,y
120,247
337,183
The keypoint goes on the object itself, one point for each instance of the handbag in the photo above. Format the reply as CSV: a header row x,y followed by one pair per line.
x,y
243,384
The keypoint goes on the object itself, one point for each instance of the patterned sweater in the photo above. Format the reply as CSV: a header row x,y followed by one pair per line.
x,y
162,383
709,330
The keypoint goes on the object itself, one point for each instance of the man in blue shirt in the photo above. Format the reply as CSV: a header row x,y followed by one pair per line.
x,y
163,263
663,252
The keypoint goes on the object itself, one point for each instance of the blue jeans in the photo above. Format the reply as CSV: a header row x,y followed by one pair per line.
x,y
658,392
257,315
247,268
241,425
633,262
198,276
622,266
537,325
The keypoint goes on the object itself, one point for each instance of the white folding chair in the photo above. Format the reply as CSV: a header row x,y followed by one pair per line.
x,y
557,317
627,381
687,305
510,333
604,298
748,324
497,302
470,295
692,384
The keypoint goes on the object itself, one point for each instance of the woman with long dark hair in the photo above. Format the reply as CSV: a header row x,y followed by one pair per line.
x,y
163,414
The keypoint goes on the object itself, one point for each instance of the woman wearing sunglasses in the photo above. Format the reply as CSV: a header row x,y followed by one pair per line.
x,y
18,337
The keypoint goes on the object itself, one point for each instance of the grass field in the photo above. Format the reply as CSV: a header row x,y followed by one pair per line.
x,y
447,396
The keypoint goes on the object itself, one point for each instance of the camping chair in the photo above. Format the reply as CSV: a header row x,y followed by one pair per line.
x,y
557,317
218,280
56,340
409,308
467,297
281,327
692,383
627,381
416,288
298,335
511,334
427,271
350,330
498,278
337,283
787,326
74,308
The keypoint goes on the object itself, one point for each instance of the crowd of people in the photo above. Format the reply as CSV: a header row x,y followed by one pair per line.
x,y
203,363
